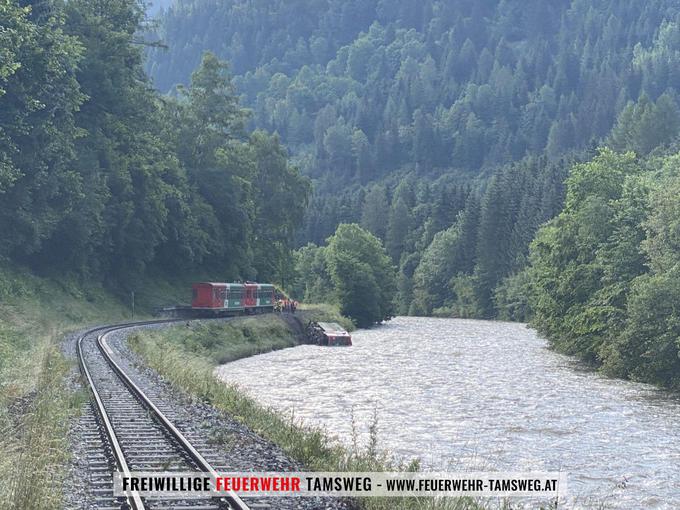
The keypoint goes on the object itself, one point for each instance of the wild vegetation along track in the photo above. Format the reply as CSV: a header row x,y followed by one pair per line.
x,y
138,435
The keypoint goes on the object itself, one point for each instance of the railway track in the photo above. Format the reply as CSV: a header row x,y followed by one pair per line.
x,y
136,434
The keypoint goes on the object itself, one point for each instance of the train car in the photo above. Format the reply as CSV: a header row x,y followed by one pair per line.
x,y
217,296
216,299
328,333
249,297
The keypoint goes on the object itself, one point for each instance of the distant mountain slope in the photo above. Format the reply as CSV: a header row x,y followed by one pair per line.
x,y
400,110
155,6
361,88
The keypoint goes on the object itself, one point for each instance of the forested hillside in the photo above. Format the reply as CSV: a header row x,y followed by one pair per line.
x,y
445,128
514,159
103,177
364,87
154,7
604,280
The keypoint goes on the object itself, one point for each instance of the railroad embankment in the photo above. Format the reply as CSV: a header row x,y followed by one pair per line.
x,y
220,342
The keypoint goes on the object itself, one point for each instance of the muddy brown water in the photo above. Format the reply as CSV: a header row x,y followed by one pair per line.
x,y
467,395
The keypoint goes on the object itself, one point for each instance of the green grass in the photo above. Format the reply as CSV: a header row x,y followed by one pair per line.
x,y
186,357
224,341
36,404
33,446
221,342
325,313
35,312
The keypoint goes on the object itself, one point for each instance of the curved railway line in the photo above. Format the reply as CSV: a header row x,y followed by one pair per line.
x,y
136,433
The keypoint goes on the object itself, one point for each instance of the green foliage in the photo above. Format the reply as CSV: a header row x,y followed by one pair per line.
x,y
323,312
643,126
313,281
576,289
440,263
39,97
374,211
475,247
437,85
362,275
434,232
253,197
280,197
511,297
399,227
100,175
662,226
414,117
364,92
352,271
13,19
466,304
603,280
648,349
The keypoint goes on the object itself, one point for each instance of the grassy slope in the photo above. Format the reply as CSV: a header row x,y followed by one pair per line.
x,y
324,313
221,342
186,356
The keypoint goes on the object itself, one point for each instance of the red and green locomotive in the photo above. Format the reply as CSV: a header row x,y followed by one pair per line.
x,y
210,299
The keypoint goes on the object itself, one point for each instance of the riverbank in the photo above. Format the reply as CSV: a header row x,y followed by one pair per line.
x,y
187,357
220,342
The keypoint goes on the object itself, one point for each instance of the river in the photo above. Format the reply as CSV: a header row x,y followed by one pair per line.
x,y
467,395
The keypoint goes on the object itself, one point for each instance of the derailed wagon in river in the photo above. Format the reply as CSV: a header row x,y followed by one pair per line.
x,y
328,333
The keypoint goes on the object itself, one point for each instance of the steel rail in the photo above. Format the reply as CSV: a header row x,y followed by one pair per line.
x,y
134,501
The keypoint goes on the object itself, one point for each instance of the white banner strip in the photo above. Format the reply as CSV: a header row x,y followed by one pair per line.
x,y
189,485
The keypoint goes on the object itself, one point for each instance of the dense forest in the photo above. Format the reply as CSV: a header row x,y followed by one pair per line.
x,y
102,176
446,129
496,159
155,7
359,89
604,279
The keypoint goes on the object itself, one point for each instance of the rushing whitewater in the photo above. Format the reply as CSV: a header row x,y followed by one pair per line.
x,y
476,395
